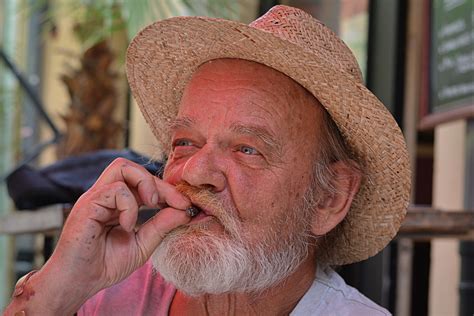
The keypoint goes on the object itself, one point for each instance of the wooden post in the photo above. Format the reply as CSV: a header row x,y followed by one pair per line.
x,y
414,41
448,193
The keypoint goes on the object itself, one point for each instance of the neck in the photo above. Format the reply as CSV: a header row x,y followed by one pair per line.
x,y
280,299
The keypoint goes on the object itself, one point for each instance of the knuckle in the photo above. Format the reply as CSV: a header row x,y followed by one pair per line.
x,y
120,162
142,249
118,186
158,232
146,182
108,192
99,192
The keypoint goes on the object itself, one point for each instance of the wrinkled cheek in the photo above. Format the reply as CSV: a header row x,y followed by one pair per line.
x,y
260,217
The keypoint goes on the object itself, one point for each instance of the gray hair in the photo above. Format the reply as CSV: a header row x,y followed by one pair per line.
x,y
333,149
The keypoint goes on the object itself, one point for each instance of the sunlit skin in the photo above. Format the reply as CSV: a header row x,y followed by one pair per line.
x,y
245,131
249,133
226,110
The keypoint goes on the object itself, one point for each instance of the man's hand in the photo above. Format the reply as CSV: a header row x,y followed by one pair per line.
x,y
99,245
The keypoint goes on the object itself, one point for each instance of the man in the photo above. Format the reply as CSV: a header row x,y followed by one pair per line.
x,y
294,165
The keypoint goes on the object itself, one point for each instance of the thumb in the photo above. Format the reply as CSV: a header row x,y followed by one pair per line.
x,y
150,235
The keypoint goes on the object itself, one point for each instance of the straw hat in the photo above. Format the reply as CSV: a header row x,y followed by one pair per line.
x,y
162,58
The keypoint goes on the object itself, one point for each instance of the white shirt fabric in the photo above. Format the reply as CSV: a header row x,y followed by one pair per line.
x,y
329,295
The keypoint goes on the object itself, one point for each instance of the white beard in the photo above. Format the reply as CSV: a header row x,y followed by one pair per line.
x,y
198,261
205,263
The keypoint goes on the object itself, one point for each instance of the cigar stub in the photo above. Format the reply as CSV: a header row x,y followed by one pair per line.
x,y
192,211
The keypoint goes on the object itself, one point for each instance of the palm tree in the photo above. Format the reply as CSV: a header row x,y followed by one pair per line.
x,y
92,87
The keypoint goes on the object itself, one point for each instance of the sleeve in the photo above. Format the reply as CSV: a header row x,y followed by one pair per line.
x,y
144,292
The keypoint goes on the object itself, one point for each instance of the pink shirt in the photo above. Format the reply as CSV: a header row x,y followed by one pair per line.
x,y
144,292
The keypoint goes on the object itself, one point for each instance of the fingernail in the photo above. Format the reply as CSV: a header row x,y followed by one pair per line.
x,y
154,199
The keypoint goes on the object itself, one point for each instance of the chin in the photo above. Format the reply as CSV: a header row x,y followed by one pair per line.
x,y
203,258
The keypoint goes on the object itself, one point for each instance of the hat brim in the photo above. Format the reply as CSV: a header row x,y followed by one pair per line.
x,y
162,58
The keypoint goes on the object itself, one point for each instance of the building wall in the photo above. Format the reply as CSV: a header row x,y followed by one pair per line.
x,y
448,194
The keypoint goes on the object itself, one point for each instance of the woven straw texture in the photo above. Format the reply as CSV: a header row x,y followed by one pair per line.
x,y
163,56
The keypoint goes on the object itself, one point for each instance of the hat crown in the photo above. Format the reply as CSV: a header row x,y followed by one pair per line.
x,y
163,57
300,28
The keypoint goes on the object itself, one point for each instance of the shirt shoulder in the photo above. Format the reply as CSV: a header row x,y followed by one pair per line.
x,y
144,292
330,295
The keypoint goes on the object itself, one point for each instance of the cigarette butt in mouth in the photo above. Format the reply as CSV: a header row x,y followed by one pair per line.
x,y
192,211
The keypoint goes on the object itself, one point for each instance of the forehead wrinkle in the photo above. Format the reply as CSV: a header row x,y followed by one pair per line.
x,y
266,107
181,122
267,137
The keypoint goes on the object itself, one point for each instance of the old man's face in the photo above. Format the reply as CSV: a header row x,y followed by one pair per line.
x,y
244,144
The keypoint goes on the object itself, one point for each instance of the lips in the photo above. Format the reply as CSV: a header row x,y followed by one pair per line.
x,y
201,208
204,213
199,199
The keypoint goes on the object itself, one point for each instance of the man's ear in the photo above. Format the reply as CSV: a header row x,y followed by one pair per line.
x,y
334,207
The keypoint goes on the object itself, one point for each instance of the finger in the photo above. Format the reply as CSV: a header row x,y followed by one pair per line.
x,y
152,232
112,201
135,176
128,208
170,196
151,190
113,222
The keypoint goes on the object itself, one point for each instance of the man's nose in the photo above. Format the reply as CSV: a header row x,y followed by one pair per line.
x,y
203,169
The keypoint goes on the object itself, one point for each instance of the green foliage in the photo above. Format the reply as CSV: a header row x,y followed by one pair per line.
x,y
99,19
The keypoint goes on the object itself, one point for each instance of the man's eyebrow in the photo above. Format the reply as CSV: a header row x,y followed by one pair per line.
x,y
181,122
266,136
263,134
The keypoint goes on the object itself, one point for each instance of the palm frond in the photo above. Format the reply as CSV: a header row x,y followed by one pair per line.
x,y
101,18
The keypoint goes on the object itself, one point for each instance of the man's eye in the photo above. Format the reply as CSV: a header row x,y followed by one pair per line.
x,y
182,142
248,150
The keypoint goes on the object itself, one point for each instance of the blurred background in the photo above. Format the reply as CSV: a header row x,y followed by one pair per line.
x,y
66,111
